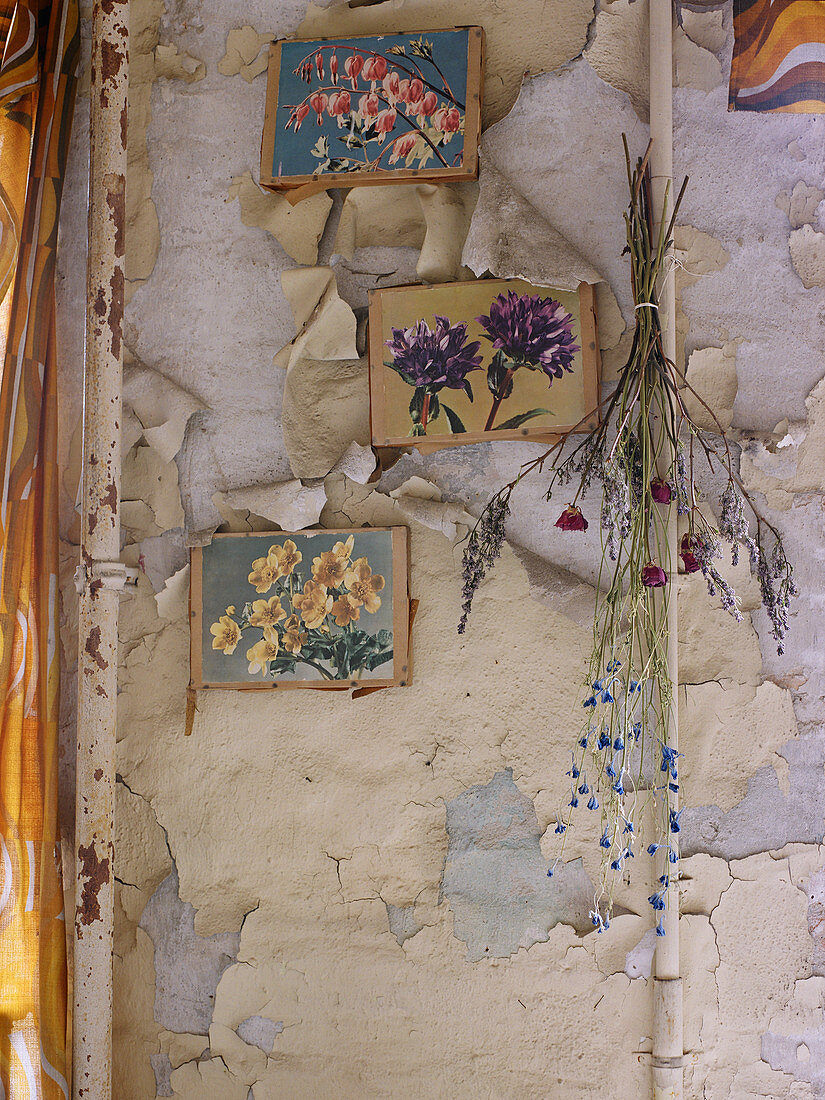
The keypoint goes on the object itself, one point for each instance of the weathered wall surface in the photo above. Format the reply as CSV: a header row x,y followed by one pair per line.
x,y
325,897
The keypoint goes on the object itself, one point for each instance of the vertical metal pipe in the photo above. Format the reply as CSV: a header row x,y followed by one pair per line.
x,y
667,983
100,576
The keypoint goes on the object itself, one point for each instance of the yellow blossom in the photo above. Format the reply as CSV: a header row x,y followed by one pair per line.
x,y
343,550
227,634
293,637
346,610
363,585
263,651
267,612
231,609
314,604
287,557
264,573
329,568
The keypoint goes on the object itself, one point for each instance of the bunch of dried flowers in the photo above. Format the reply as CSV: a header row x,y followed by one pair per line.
x,y
642,453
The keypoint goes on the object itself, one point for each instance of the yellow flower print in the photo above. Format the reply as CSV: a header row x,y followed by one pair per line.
x,y
363,585
346,610
263,651
227,634
267,612
313,603
231,609
329,568
287,557
264,573
293,637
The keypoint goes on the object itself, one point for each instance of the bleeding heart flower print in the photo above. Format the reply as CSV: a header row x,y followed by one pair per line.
x,y
378,104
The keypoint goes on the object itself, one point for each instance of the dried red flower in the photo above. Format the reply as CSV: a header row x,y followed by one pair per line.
x,y
571,519
689,559
653,576
661,491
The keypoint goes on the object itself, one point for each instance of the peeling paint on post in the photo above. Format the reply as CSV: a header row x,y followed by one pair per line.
x,y
100,544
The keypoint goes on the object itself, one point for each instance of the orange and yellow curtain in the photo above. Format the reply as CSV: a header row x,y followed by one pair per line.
x,y
778,56
38,58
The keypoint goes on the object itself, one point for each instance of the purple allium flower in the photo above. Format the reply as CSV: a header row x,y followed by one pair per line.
x,y
434,357
531,331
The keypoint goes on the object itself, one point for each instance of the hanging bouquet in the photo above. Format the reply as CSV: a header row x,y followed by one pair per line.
x,y
643,453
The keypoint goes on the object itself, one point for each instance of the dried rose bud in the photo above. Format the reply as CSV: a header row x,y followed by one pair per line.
x,y
653,576
661,491
689,559
571,519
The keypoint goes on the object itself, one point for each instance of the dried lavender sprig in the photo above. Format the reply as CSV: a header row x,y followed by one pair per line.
x,y
682,492
706,546
482,550
776,597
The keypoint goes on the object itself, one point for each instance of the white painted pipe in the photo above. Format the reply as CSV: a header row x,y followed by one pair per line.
x,y
100,574
668,1039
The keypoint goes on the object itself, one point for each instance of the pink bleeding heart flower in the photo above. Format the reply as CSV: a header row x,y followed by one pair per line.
x,y
319,64
338,106
333,68
661,491
571,519
402,146
392,86
653,576
352,67
318,102
427,105
447,120
375,68
385,122
369,105
298,116
416,90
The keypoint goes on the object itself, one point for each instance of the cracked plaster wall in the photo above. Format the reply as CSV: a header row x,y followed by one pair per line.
x,y
321,897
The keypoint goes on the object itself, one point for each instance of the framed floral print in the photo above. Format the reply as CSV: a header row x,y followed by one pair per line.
x,y
490,359
303,609
380,108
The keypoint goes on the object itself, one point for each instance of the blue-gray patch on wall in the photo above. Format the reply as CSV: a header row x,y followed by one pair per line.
x,y
765,819
188,967
495,876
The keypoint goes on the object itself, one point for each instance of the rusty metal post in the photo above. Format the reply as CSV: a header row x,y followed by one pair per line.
x,y
668,1054
100,575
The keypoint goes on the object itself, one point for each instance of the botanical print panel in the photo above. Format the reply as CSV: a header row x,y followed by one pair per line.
x,y
379,103
303,606
778,56
489,359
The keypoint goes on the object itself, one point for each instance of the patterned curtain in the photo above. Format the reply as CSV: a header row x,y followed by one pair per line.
x,y
39,46
778,56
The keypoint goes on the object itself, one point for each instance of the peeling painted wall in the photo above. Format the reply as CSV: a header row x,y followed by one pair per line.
x,y
321,897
